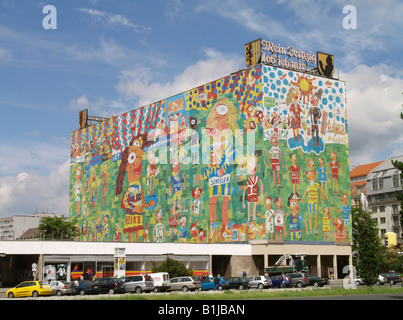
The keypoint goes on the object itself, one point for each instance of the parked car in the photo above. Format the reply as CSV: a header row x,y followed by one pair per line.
x,y
110,285
278,281
392,277
238,283
359,281
381,280
260,282
208,284
60,287
298,279
87,287
185,284
317,281
30,289
161,281
138,284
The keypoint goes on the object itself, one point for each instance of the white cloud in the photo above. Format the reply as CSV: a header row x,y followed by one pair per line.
x,y
138,83
109,19
374,102
24,193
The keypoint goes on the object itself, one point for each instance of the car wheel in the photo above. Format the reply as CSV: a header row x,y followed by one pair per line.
x,y
185,289
316,285
35,294
111,291
10,295
299,285
357,283
392,282
260,286
220,288
81,292
59,293
241,287
138,290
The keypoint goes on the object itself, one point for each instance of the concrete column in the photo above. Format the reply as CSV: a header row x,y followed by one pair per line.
x,y
335,267
318,265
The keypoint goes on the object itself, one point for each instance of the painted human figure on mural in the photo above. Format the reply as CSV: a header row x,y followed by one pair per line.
x,y
197,205
183,231
105,228
252,186
322,178
152,170
345,211
279,219
194,141
326,224
295,219
104,182
315,114
268,216
77,190
220,123
313,199
133,201
295,111
175,187
274,154
296,173
335,167
173,223
93,190
159,228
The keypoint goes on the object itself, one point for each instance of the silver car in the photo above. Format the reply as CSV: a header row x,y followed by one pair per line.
x,y
185,284
298,279
139,284
60,287
260,282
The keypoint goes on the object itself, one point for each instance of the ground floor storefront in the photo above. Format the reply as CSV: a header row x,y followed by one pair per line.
x,y
44,260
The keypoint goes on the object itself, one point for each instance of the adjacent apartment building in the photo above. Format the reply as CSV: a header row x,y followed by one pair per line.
x,y
382,184
13,227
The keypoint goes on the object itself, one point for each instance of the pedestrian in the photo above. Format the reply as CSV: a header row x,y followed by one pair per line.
x,y
216,282
244,274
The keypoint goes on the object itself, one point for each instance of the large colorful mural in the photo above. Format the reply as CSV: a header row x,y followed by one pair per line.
x,y
259,155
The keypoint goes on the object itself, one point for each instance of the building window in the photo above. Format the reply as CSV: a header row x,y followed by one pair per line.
x,y
374,184
383,220
374,209
383,231
395,209
381,208
380,183
395,180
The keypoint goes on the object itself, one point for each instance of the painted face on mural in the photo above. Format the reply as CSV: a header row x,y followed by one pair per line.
x,y
134,161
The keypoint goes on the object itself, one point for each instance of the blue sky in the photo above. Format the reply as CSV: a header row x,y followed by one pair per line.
x,y
113,56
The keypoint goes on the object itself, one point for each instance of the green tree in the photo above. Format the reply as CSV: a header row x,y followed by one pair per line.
x,y
368,246
173,267
57,228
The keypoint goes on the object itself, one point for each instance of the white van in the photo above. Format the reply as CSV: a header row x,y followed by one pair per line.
x,y
161,281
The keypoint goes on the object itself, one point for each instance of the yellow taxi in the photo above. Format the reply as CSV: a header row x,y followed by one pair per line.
x,y
30,289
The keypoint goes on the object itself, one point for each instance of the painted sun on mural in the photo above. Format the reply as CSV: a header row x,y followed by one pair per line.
x,y
259,155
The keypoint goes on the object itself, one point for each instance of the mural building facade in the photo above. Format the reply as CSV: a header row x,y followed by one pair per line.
x,y
261,154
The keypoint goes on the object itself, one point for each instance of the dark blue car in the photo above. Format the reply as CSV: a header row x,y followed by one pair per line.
x,y
280,282
87,287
